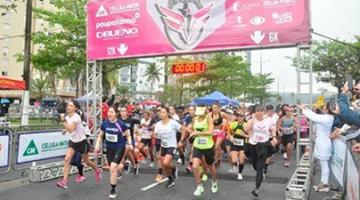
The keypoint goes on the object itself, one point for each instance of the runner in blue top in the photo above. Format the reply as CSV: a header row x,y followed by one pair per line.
x,y
113,132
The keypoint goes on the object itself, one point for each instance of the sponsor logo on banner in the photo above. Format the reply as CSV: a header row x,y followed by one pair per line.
x,y
185,21
101,12
117,22
237,6
123,32
124,8
273,37
4,150
31,149
239,22
282,18
257,37
122,49
278,3
258,20
39,146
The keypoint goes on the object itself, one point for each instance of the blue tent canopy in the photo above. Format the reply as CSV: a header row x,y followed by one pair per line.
x,y
234,102
213,98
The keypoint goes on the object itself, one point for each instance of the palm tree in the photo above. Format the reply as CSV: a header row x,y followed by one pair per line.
x,y
153,73
39,88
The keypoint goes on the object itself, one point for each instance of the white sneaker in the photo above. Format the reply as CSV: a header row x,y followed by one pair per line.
x,y
285,156
240,177
152,165
233,170
214,187
199,190
179,161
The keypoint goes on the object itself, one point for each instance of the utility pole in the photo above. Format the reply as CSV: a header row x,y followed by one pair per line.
x,y
26,72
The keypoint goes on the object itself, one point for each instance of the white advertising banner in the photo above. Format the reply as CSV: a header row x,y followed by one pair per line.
x,y
337,163
4,150
41,146
352,185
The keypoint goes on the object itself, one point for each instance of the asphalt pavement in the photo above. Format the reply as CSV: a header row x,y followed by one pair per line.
x,y
130,186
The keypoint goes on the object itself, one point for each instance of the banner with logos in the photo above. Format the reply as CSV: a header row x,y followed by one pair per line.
x,y
352,184
338,159
41,146
4,150
139,28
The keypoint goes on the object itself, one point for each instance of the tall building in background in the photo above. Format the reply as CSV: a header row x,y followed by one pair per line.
x,y
135,78
12,26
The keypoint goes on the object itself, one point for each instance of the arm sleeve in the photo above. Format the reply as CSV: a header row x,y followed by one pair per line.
x,y
111,101
177,125
346,114
319,118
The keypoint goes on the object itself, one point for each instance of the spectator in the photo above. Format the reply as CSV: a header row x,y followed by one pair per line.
x,y
347,115
106,103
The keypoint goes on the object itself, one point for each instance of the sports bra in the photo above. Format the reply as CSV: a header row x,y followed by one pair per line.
x,y
218,121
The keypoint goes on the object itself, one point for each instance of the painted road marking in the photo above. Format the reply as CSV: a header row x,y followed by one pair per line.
x,y
154,184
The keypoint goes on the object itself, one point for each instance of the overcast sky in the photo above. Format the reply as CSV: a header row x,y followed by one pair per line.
x,y
334,18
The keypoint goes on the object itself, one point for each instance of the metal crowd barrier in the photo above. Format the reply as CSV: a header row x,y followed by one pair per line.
x,y
7,131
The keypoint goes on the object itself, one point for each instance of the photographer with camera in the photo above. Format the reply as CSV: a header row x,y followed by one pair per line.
x,y
348,115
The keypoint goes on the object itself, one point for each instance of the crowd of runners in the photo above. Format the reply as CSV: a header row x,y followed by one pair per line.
x,y
199,137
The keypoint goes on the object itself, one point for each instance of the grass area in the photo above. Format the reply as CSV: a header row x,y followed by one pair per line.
x,y
34,122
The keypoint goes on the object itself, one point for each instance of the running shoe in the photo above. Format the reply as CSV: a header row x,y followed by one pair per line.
x,y
204,178
152,165
175,173
112,195
233,170
240,177
189,169
98,175
158,178
287,164
120,176
255,193
285,156
322,188
199,190
127,167
136,170
170,183
62,184
179,161
80,179
214,186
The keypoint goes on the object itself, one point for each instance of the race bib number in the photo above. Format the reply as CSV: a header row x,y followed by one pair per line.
x,y
111,137
163,143
288,131
260,138
238,142
203,140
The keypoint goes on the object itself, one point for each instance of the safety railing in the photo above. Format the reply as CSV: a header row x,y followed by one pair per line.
x,y
6,138
38,149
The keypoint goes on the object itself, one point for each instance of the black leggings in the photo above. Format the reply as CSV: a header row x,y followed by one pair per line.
x,y
258,154
76,161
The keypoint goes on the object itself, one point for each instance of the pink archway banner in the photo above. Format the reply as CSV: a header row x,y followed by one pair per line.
x,y
140,28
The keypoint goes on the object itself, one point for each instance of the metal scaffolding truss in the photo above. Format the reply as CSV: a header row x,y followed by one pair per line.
x,y
93,103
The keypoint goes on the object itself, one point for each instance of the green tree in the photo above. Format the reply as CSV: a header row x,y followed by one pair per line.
x,y
62,52
122,90
230,75
8,6
153,74
332,61
39,88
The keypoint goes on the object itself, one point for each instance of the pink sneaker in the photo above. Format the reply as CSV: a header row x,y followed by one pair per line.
x,y
80,179
62,184
98,175
189,169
